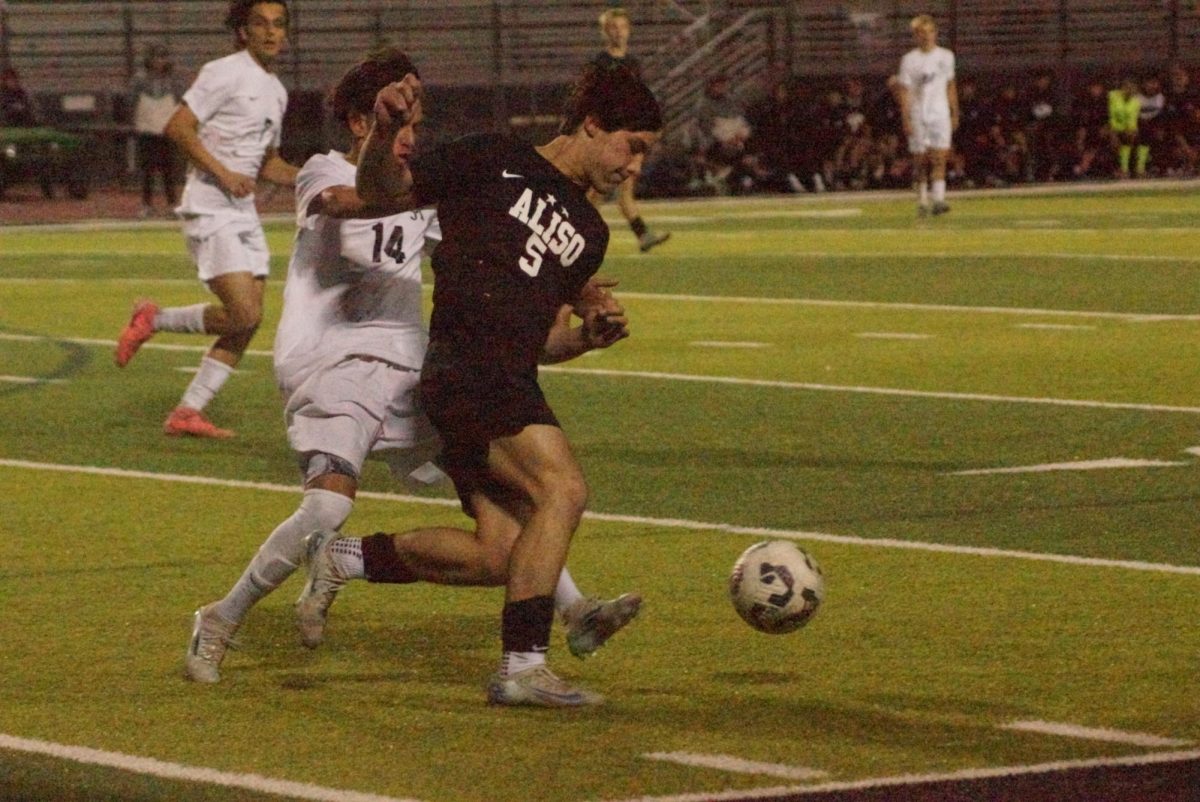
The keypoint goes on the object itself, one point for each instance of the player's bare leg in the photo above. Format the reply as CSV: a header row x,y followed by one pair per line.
x,y
234,320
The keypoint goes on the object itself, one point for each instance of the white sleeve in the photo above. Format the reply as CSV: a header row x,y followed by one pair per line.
x,y
950,65
433,232
317,175
211,90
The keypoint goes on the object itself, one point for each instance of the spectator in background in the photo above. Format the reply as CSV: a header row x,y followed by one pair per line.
x,y
776,139
1152,129
1180,96
1042,128
155,97
614,30
1123,109
16,109
723,132
1091,148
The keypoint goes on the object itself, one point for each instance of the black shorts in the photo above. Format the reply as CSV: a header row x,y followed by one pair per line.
x,y
472,406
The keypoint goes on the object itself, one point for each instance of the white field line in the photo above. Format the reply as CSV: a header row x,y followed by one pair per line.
x,y
1137,317
891,391
1054,326
639,520
1112,463
738,765
728,380
727,344
906,780
1094,734
892,335
195,774
30,380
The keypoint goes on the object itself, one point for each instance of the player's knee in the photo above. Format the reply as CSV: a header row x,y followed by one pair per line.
x,y
566,493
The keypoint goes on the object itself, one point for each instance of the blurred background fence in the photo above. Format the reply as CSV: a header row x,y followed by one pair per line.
x,y
497,63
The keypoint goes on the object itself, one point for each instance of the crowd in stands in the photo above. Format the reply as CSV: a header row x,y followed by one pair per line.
x,y
796,134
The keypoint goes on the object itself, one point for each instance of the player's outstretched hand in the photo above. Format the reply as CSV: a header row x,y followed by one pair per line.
x,y
394,103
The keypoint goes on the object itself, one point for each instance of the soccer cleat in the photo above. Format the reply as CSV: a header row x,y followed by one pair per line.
x,y
650,240
591,622
939,207
188,421
539,687
324,582
139,329
211,636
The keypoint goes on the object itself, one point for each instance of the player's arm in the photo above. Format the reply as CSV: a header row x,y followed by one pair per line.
x,y
344,203
604,324
383,180
952,98
184,130
276,170
903,97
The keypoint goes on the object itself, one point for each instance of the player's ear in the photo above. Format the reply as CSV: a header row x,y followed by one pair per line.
x,y
591,126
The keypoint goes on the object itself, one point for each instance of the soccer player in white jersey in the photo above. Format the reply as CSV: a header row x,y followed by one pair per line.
x,y
229,126
348,354
928,98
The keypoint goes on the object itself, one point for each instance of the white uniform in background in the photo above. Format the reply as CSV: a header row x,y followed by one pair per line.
x,y
927,75
351,339
240,108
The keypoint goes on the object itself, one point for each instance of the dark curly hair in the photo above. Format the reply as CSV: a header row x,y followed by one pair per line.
x,y
239,12
616,97
356,90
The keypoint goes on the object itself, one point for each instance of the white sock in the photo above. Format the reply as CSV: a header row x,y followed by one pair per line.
x,y
565,594
922,193
283,551
207,382
188,319
516,662
939,190
347,555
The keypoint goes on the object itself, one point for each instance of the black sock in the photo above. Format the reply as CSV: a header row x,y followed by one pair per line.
x,y
525,625
638,225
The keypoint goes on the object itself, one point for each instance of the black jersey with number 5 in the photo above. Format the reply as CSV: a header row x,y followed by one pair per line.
x,y
519,239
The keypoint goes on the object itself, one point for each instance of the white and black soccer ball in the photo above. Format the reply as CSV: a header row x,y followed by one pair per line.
x,y
776,586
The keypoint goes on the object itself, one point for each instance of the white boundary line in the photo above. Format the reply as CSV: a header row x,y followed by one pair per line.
x,y
737,765
638,520
1094,734
729,380
903,780
196,774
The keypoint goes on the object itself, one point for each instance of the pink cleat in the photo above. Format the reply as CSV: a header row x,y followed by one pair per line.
x,y
139,329
188,421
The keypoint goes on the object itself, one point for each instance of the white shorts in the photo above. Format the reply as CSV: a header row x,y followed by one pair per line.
x,y
359,408
930,135
236,247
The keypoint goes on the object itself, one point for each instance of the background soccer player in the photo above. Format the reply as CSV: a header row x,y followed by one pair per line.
x,y
928,97
229,126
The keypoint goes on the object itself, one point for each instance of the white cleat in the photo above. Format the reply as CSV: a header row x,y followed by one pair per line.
x,y
591,622
211,636
324,582
538,687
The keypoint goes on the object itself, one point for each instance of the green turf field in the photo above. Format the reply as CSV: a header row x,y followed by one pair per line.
x,y
985,426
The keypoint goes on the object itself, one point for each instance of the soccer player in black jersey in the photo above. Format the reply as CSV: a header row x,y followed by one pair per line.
x,y
520,241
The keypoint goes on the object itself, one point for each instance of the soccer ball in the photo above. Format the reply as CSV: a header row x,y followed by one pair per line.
x,y
776,586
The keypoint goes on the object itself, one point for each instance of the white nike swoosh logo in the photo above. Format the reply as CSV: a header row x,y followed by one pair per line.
x,y
507,174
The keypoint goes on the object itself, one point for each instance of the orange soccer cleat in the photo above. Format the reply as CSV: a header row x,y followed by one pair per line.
x,y
188,421
139,329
